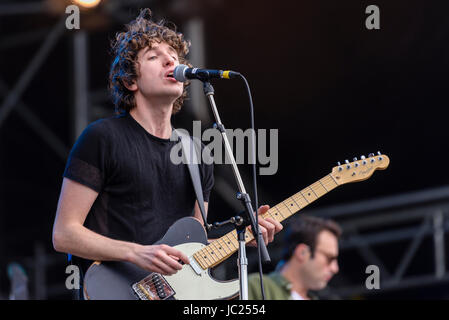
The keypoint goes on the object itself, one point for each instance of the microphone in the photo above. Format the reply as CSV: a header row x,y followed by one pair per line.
x,y
182,73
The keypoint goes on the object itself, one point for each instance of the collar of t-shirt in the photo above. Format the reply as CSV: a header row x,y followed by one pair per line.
x,y
296,296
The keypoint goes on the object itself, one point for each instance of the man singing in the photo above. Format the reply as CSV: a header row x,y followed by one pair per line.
x,y
120,191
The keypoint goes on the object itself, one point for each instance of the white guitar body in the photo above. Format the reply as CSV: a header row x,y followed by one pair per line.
x,y
201,286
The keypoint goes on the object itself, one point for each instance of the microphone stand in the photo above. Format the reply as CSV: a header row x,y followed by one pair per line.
x,y
244,199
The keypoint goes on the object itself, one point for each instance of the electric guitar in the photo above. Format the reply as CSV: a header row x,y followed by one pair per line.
x,y
126,281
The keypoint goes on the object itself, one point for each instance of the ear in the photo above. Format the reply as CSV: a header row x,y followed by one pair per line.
x,y
131,86
302,252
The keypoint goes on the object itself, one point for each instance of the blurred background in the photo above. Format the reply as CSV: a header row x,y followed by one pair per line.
x,y
334,89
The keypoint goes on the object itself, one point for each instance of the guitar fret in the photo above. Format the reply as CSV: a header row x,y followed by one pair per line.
x,y
318,191
207,256
285,212
293,205
268,213
220,248
304,197
293,199
323,186
204,258
275,207
336,184
225,247
298,200
313,191
216,251
230,241
211,253
288,208
199,259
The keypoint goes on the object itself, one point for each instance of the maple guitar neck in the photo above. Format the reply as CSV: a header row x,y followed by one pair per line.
x,y
222,248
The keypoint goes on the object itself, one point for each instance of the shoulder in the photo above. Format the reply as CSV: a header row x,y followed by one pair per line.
x,y
268,280
273,290
105,127
107,123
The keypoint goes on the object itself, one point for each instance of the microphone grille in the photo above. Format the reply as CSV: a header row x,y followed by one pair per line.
x,y
178,73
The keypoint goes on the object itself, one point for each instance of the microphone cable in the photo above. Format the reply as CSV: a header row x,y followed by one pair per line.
x,y
254,170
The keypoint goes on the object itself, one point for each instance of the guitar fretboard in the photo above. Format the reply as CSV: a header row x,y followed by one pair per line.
x,y
222,248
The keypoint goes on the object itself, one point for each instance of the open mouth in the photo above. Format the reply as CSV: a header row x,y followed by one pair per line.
x,y
169,76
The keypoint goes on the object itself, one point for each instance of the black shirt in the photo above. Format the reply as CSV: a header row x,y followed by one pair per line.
x,y
141,192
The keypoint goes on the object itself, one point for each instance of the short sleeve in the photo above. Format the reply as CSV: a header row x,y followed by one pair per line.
x,y
87,160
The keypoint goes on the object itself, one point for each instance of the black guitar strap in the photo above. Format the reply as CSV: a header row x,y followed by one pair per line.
x,y
193,151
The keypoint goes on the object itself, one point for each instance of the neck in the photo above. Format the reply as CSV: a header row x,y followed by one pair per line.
x,y
153,117
291,273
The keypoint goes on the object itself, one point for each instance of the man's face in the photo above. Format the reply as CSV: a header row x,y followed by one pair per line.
x,y
155,79
318,271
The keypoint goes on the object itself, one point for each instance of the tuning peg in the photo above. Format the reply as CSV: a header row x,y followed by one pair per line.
x,y
355,159
339,163
380,155
339,166
363,158
371,155
347,164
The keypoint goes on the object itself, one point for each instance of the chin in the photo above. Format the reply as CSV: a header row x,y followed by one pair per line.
x,y
320,286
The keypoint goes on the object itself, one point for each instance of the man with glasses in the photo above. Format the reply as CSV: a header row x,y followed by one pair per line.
x,y
309,261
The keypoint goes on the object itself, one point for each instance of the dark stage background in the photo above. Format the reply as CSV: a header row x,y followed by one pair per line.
x,y
334,89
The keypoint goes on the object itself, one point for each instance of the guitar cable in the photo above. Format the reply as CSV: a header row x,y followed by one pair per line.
x,y
254,171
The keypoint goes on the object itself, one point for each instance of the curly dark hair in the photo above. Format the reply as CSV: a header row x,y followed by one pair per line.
x,y
141,33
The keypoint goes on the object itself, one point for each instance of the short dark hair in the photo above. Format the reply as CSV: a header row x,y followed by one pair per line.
x,y
305,229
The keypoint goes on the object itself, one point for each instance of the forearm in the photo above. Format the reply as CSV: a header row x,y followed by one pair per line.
x,y
84,243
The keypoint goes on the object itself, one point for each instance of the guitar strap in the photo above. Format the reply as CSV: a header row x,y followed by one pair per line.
x,y
191,149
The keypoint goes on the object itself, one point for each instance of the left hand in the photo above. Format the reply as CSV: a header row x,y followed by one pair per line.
x,y
268,226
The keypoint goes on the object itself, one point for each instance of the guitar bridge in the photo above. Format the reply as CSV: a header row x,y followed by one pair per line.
x,y
153,287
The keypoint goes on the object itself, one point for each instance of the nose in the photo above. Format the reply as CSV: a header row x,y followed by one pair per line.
x,y
334,266
169,60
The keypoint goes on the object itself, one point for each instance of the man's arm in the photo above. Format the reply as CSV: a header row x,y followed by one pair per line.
x,y
197,211
70,236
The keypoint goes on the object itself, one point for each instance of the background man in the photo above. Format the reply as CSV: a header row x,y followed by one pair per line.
x,y
309,261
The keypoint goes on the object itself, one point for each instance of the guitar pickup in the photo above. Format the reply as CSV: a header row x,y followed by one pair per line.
x,y
153,287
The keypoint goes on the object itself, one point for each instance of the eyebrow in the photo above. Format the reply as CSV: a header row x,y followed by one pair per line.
x,y
170,48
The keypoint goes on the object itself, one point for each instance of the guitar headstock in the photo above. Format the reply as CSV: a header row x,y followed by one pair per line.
x,y
359,170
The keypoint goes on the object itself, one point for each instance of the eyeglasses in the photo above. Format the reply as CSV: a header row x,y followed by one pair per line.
x,y
330,258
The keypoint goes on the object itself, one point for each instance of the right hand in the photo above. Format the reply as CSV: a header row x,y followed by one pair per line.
x,y
160,258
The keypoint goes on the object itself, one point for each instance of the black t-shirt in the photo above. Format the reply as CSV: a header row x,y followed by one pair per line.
x,y
141,192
